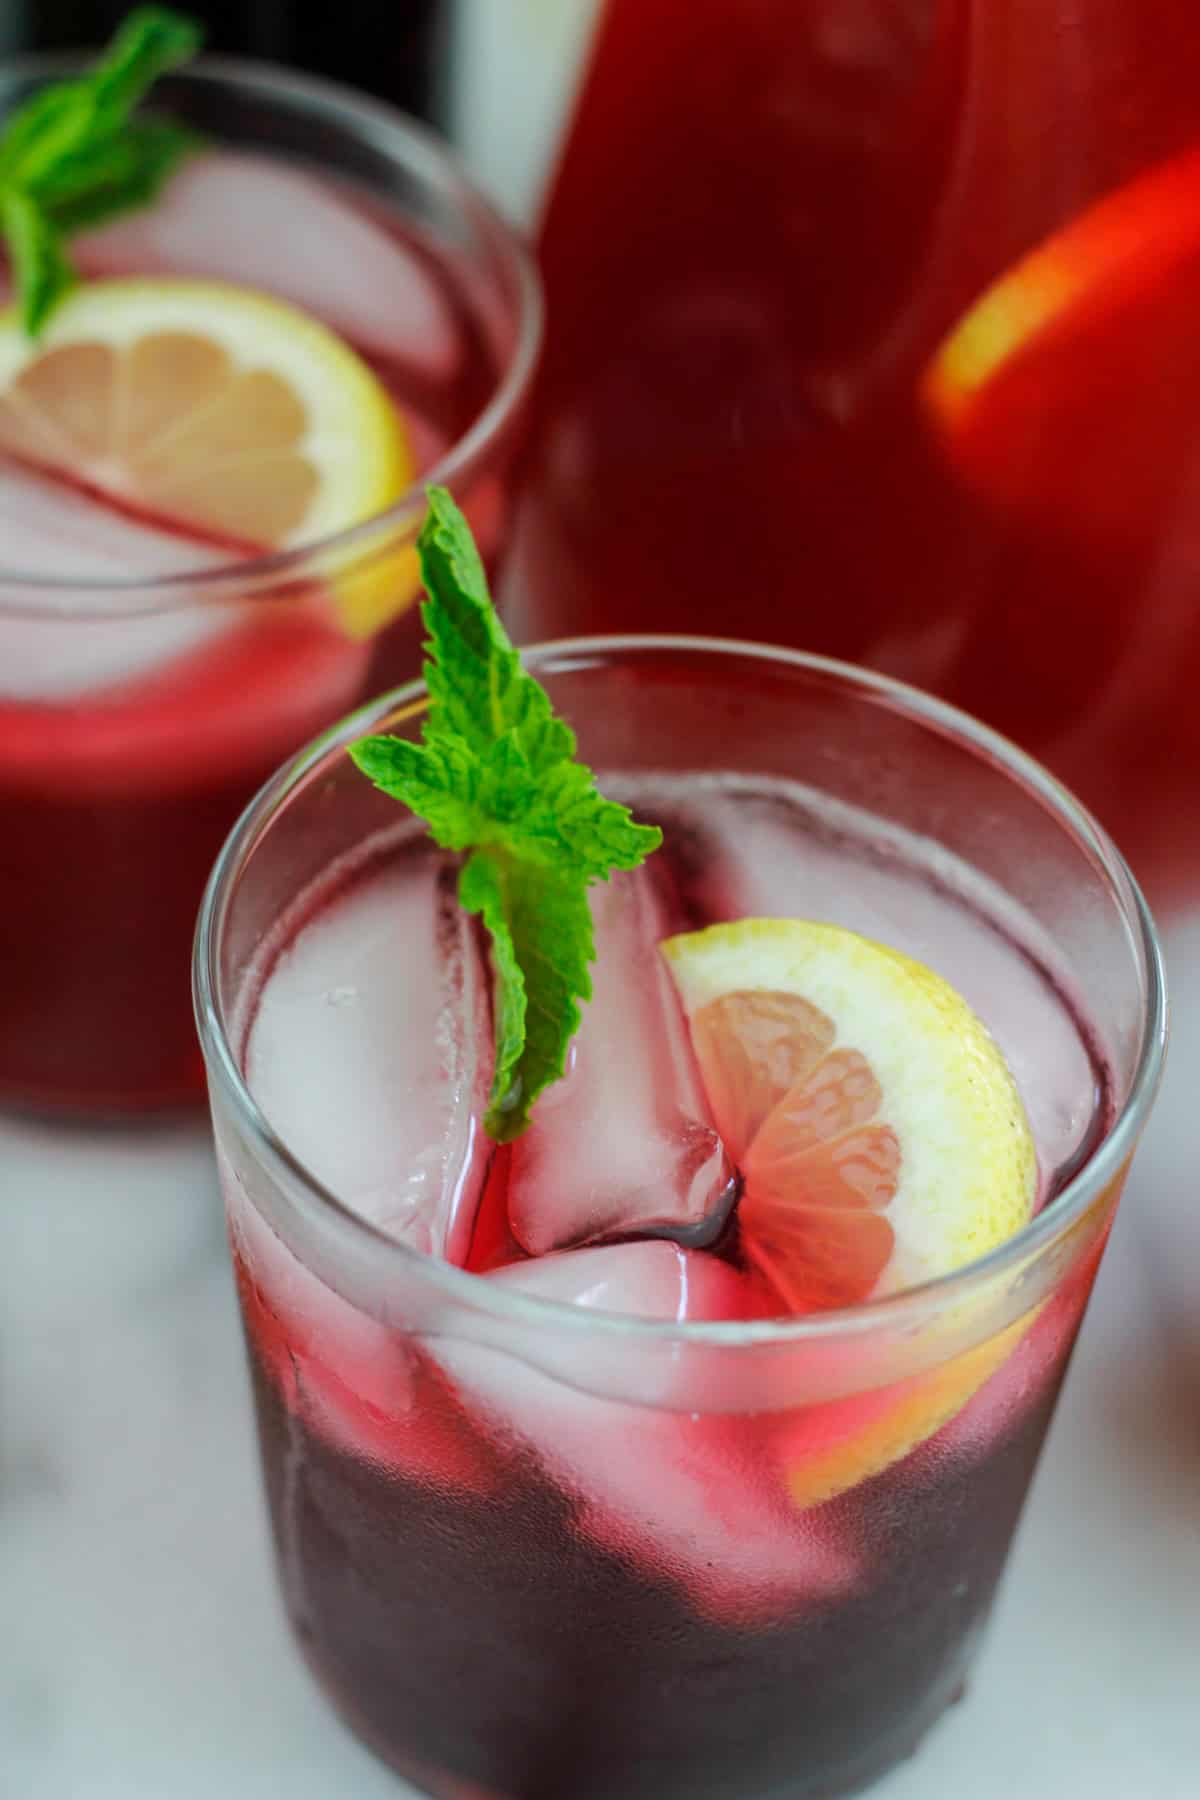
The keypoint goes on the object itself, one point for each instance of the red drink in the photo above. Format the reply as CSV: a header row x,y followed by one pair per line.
x,y
698,1551
152,676
769,221
487,1641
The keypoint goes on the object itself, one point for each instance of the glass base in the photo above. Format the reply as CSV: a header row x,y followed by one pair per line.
x,y
851,1778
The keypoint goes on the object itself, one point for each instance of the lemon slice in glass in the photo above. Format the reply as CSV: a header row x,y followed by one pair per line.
x,y
881,1140
217,411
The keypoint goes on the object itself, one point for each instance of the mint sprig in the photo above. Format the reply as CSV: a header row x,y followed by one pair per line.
x,y
495,778
73,156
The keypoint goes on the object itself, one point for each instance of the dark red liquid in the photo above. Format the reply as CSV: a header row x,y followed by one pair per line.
x,y
113,806
768,217
487,1645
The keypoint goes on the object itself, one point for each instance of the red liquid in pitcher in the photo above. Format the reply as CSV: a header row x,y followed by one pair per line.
x,y
871,330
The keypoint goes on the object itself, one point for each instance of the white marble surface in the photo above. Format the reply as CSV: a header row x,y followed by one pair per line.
x,y
142,1651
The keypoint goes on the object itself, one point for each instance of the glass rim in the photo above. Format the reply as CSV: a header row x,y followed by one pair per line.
x,y
406,140
510,1305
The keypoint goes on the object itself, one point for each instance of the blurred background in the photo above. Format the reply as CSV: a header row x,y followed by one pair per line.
x,y
455,63
388,48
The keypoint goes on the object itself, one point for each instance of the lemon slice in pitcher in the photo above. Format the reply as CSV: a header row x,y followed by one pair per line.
x,y
1068,391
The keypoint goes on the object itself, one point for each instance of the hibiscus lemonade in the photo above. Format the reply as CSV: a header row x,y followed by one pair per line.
x,y
208,452
873,322
672,1446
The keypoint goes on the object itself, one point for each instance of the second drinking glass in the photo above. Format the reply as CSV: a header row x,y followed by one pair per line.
x,y
150,680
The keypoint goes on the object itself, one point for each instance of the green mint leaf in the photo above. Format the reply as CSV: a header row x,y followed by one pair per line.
x,y
54,123
129,172
541,931
438,781
475,677
75,118
152,40
593,832
43,273
495,777
73,155
482,891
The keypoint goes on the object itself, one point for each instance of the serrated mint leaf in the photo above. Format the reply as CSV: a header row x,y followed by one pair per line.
x,y
71,156
594,831
480,891
439,782
541,931
495,775
474,674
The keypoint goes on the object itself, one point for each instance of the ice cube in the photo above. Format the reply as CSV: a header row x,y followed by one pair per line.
x,y
651,1280
233,217
370,1054
693,1496
48,529
624,1144
340,1370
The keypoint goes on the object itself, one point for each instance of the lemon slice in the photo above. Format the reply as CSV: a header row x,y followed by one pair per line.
x,y
880,1135
215,409
881,1141
1068,392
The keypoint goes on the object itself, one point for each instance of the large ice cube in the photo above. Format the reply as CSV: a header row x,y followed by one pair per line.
x,y
48,529
370,1054
232,217
695,1497
624,1144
